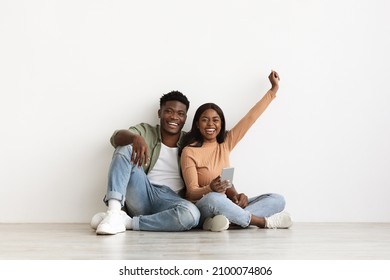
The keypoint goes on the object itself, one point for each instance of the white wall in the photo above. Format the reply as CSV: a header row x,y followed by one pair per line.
x,y
72,72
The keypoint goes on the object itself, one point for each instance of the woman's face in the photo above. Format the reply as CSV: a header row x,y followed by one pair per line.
x,y
209,125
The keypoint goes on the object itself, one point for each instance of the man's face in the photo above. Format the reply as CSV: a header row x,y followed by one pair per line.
x,y
173,115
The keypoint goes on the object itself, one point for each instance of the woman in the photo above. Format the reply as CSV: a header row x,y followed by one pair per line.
x,y
206,151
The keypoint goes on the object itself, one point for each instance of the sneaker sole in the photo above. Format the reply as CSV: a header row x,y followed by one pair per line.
x,y
102,230
99,217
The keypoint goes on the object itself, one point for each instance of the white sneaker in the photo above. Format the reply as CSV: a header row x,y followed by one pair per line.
x,y
112,223
98,218
279,220
217,223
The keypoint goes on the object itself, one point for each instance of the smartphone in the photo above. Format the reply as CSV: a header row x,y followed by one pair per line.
x,y
227,174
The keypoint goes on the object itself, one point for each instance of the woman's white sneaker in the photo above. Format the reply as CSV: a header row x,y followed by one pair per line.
x,y
279,220
216,223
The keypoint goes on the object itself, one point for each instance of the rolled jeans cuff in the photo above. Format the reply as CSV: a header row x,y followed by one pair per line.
x,y
135,223
114,195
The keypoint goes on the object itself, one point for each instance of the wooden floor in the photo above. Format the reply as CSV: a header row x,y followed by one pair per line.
x,y
304,241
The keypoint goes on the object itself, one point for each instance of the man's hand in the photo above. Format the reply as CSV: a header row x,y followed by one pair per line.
x,y
140,153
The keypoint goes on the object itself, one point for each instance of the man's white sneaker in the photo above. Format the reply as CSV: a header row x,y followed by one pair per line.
x,y
98,218
112,223
216,223
279,220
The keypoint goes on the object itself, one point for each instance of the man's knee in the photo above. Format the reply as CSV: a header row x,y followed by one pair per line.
x,y
124,151
189,215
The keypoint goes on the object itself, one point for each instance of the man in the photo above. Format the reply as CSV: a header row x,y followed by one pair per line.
x,y
145,178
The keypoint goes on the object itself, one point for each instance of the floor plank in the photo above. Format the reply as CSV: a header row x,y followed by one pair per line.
x,y
304,241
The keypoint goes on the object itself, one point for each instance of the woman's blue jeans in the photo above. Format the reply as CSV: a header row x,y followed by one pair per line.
x,y
218,204
152,207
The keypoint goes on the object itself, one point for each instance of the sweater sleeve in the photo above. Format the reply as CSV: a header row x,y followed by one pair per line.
x,y
190,175
240,129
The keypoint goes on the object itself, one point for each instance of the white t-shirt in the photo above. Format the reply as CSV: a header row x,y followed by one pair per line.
x,y
166,170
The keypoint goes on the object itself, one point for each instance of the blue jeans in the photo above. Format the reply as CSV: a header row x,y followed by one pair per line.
x,y
262,206
152,207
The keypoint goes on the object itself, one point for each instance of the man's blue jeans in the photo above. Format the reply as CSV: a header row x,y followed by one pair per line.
x,y
218,204
152,207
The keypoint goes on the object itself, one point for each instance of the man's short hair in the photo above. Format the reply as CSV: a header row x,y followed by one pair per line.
x,y
174,96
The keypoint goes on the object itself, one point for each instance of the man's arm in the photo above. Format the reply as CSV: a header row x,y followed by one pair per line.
x,y
124,137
